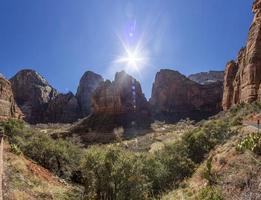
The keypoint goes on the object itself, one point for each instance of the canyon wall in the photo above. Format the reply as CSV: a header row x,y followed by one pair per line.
x,y
174,97
242,82
8,107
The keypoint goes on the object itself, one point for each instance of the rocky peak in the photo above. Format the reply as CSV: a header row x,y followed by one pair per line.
x,y
122,95
32,94
207,77
88,83
174,97
117,103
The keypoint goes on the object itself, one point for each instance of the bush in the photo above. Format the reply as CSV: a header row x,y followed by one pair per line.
x,y
59,156
209,193
208,174
15,149
200,141
113,174
251,142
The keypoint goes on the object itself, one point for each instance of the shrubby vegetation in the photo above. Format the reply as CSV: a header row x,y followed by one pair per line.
x,y
209,193
59,156
251,142
110,172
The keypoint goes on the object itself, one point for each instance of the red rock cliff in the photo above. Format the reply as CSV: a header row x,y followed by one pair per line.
x,y
174,97
242,82
8,107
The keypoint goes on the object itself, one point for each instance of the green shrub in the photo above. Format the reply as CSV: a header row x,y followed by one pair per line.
x,y
15,149
59,156
208,174
178,165
112,173
209,193
201,140
251,142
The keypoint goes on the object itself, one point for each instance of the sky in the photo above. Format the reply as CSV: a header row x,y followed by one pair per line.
x,y
61,39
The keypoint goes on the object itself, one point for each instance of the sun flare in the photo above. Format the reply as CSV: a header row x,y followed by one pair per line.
x,y
133,59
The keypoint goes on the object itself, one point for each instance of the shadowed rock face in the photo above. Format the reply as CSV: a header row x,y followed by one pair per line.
x,y
64,108
245,85
123,95
88,83
32,94
117,103
8,107
207,77
174,97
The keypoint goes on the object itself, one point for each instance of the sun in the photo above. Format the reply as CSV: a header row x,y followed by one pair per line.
x,y
133,59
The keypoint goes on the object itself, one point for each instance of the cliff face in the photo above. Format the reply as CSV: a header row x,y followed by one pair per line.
x,y
88,83
123,95
119,103
32,94
8,107
64,108
174,97
243,82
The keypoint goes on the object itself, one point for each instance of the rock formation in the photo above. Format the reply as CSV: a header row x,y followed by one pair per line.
x,y
64,108
8,107
88,83
32,94
243,77
119,103
207,77
174,97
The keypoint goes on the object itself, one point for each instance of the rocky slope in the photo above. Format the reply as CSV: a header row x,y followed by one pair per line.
x,y
174,96
207,77
32,94
8,107
88,83
243,76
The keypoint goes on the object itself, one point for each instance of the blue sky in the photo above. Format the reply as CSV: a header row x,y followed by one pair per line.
x,y
61,39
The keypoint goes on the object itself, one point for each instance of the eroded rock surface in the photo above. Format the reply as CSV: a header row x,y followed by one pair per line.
x,y
64,108
174,97
8,107
119,103
88,83
245,85
32,94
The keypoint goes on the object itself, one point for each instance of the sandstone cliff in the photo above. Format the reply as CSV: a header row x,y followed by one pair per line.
x,y
64,108
174,97
32,94
243,77
8,107
119,103
88,83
